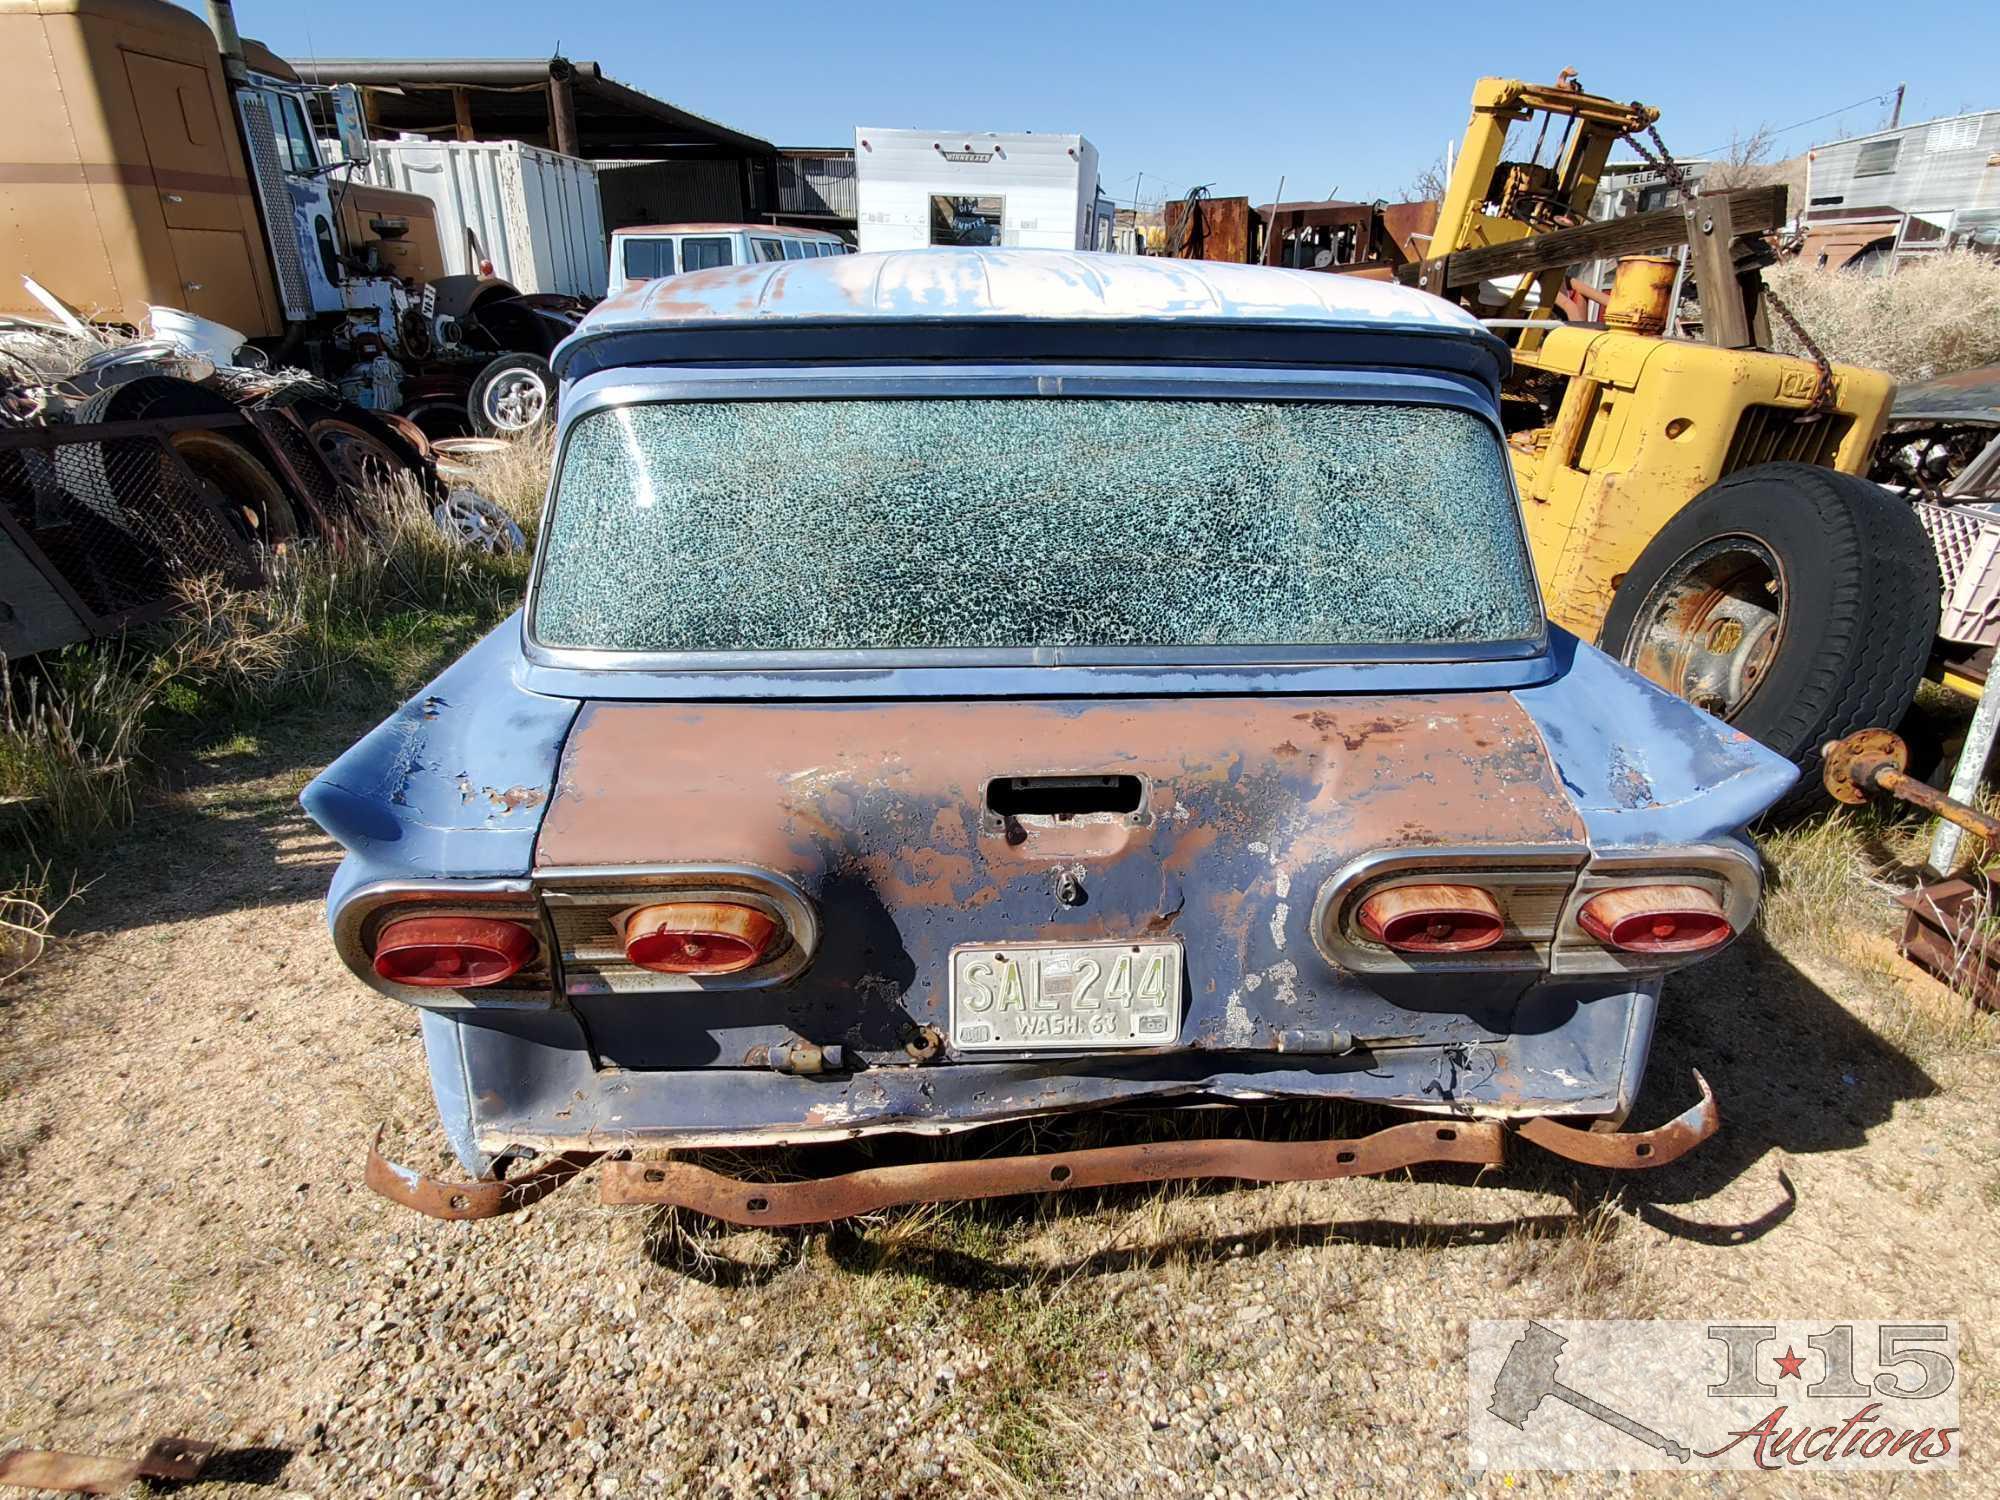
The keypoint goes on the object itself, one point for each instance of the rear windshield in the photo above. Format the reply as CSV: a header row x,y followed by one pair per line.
x,y
1015,522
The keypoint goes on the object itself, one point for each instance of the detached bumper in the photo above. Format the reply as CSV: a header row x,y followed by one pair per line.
x,y
844,1195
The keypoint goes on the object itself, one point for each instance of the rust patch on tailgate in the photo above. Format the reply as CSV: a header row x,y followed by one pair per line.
x,y
774,784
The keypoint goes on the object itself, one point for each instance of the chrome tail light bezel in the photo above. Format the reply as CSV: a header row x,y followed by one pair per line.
x,y
1730,873
590,954
1540,891
359,920
555,905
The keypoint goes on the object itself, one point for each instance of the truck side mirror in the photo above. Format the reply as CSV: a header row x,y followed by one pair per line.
x,y
351,123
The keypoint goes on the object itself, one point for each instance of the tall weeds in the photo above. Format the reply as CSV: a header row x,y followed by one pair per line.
x,y
1933,317
370,610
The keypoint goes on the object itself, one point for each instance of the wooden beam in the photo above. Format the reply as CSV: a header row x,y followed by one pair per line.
x,y
461,114
1751,211
562,113
1711,232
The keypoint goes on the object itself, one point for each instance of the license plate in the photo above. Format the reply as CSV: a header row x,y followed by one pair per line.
x,y
1033,996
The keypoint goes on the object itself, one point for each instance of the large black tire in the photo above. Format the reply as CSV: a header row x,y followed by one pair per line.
x,y
513,396
1856,604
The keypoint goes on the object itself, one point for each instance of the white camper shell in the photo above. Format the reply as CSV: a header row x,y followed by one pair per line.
x,y
1019,191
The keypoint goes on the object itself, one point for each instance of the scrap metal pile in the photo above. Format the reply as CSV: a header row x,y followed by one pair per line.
x,y
127,465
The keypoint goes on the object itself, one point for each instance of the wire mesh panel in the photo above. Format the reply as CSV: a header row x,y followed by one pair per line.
x,y
1967,542
116,521
288,437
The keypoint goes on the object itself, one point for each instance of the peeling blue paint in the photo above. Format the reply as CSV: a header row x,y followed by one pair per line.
x,y
453,785
1644,767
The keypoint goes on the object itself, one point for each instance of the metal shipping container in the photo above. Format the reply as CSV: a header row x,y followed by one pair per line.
x,y
536,214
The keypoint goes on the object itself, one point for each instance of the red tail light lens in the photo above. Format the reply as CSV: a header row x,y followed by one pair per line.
x,y
459,953
1656,919
1433,919
698,937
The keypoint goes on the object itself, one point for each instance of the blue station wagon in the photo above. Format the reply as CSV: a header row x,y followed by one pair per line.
x,y
959,686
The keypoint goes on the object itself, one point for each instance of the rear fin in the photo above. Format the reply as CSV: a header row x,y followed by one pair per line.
x,y
1642,766
454,784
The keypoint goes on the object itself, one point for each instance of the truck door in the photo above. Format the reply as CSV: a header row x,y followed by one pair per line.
x,y
201,203
294,192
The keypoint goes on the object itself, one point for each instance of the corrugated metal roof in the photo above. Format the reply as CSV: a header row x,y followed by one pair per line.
x,y
953,284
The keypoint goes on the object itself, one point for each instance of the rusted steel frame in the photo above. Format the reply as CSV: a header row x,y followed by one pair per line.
x,y
482,1198
824,1199
72,433
1626,1150
172,1459
1752,211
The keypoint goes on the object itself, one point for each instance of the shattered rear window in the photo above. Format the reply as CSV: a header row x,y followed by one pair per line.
x,y
1012,522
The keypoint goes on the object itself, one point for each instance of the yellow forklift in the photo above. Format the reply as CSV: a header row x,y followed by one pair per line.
x,y
1696,509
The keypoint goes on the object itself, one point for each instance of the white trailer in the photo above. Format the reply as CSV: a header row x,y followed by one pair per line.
x,y
534,216
934,187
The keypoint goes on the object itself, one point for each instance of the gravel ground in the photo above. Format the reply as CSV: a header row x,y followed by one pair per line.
x,y
191,1081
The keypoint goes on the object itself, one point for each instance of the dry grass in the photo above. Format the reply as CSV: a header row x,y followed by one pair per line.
x,y
25,920
1828,902
373,612
1931,318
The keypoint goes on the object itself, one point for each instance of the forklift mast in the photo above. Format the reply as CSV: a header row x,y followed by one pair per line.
x,y
1493,200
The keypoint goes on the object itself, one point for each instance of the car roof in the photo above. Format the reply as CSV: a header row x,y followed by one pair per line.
x,y
777,229
953,284
1967,396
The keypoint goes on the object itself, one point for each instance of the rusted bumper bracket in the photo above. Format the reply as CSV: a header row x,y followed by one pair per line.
x,y
822,1199
475,1198
1624,1150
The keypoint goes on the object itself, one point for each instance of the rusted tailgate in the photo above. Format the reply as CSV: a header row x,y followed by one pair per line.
x,y
878,811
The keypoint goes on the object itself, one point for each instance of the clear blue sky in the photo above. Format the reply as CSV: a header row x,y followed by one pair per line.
x,y
1331,95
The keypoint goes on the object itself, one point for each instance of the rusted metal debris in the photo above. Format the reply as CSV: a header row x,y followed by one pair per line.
x,y
1948,932
1625,1150
823,1199
1872,761
174,1459
483,1198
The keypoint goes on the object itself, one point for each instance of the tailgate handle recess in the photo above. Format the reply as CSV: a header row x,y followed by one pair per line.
x,y
1063,797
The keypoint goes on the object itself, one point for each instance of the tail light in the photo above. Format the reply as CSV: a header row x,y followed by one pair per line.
x,y
1433,919
698,937
452,952
1656,919
1565,911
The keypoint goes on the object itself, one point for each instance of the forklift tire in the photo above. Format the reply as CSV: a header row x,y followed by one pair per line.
x,y
514,396
1798,603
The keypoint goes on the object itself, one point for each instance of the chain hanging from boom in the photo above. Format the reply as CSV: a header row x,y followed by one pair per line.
x,y
1662,160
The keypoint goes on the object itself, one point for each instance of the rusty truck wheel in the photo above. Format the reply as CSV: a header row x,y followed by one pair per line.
x,y
1797,603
